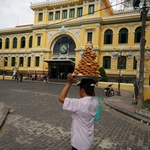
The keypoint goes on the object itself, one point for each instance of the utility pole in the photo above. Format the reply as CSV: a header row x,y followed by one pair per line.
x,y
120,67
142,56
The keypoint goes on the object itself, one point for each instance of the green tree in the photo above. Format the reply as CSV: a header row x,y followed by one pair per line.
x,y
103,74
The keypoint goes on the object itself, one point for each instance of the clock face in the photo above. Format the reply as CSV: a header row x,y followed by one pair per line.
x,y
63,48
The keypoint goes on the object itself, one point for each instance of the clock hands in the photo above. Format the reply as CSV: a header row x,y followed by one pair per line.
x,y
64,49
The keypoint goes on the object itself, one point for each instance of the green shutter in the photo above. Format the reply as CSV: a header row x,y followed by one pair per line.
x,y
50,16
72,13
37,60
21,62
64,14
40,16
30,41
89,36
137,37
38,41
15,42
106,62
13,61
57,15
108,36
23,42
123,36
79,13
91,9
29,61
7,43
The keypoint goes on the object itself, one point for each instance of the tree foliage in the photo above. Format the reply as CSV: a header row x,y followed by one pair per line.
x,y
103,74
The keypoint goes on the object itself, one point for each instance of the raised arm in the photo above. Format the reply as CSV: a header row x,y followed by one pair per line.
x,y
64,91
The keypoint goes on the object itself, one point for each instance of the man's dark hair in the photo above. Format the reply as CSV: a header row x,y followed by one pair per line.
x,y
88,86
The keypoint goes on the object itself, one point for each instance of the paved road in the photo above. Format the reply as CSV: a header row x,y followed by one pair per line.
x,y
39,123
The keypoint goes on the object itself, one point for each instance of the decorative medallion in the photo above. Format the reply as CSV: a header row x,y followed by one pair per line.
x,y
63,30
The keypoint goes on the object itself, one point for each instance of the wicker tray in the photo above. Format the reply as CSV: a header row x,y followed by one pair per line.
x,y
87,77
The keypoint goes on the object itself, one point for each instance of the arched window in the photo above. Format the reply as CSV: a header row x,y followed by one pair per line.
x,y
134,63
15,42
0,43
30,41
137,36
7,43
108,36
106,62
121,62
123,35
23,42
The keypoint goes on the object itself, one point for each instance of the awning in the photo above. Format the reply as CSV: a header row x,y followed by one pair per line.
x,y
59,61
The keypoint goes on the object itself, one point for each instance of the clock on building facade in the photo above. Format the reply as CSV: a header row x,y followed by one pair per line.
x,y
63,48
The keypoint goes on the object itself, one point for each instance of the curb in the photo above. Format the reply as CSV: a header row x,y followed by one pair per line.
x,y
4,110
143,113
133,115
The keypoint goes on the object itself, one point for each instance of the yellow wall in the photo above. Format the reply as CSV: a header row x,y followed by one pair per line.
x,y
127,87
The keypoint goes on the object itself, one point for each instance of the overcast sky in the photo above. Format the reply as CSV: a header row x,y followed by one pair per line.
x,y
17,12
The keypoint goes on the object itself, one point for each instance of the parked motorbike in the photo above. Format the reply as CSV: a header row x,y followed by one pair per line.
x,y
109,91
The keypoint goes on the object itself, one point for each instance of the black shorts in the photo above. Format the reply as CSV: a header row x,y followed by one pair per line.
x,y
74,148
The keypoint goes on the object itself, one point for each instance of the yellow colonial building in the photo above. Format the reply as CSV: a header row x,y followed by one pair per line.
x,y
56,40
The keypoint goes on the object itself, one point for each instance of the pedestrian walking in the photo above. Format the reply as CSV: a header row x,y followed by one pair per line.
x,y
16,76
13,75
33,77
45,79
83,112
21,77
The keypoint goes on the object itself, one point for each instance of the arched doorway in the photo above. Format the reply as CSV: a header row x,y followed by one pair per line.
x,y
63,57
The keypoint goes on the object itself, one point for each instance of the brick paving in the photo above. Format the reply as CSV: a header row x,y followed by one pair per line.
x,y
121,105
37,121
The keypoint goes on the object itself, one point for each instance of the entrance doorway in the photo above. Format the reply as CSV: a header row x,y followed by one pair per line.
x,y
60,71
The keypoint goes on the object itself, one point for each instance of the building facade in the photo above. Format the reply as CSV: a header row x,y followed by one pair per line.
x,y
56,41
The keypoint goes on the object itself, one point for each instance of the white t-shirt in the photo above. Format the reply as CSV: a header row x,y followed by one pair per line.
x,y
82,129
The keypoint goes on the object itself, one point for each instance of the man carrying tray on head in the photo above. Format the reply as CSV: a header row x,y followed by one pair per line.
x,y
83,111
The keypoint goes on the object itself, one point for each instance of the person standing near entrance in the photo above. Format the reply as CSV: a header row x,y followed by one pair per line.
x,y
83,111
35,76
21,77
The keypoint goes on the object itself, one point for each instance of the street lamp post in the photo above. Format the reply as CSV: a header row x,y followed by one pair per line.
x,y
142,54
120,66
4,72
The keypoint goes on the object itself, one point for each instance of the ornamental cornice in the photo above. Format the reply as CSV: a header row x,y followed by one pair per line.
x,y
52,4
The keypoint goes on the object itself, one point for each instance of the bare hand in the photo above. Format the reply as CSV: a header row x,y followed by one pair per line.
x,y
70,78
